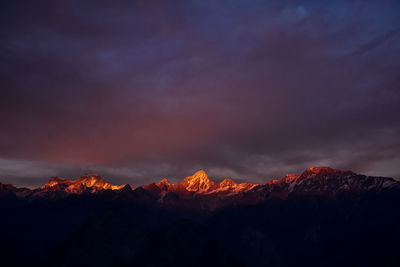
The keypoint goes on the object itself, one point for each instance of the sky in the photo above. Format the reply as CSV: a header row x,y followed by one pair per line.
x,y
141,90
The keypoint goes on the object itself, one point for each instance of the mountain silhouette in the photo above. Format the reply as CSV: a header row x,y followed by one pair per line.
x,y
321,217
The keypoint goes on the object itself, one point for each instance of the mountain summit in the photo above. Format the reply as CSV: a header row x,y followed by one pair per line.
x,y
198,182
314,171
86,183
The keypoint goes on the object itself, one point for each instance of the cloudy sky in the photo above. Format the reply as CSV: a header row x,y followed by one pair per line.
x,y
141,90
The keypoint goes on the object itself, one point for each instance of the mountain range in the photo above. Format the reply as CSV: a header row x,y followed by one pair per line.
x,y
315,181
321,217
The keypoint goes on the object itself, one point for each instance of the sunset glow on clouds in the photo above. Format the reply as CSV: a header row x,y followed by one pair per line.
x,y
145,89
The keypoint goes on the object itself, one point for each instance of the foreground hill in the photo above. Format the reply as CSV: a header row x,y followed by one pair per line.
x,y
322,217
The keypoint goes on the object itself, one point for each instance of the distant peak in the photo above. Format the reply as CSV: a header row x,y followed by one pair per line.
x,y
164,184
322,171
54,181
198,182
93,181
227,182
126,188
164,181
201,174
92,176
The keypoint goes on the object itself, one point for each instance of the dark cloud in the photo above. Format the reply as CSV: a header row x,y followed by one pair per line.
x,y
139,90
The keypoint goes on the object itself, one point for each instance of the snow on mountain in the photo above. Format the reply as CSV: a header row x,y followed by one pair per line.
x,y
199,190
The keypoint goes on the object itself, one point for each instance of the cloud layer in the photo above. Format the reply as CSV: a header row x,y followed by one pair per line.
x,y
138,90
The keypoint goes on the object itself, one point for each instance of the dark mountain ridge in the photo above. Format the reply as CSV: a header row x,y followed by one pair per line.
x,y
322,217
